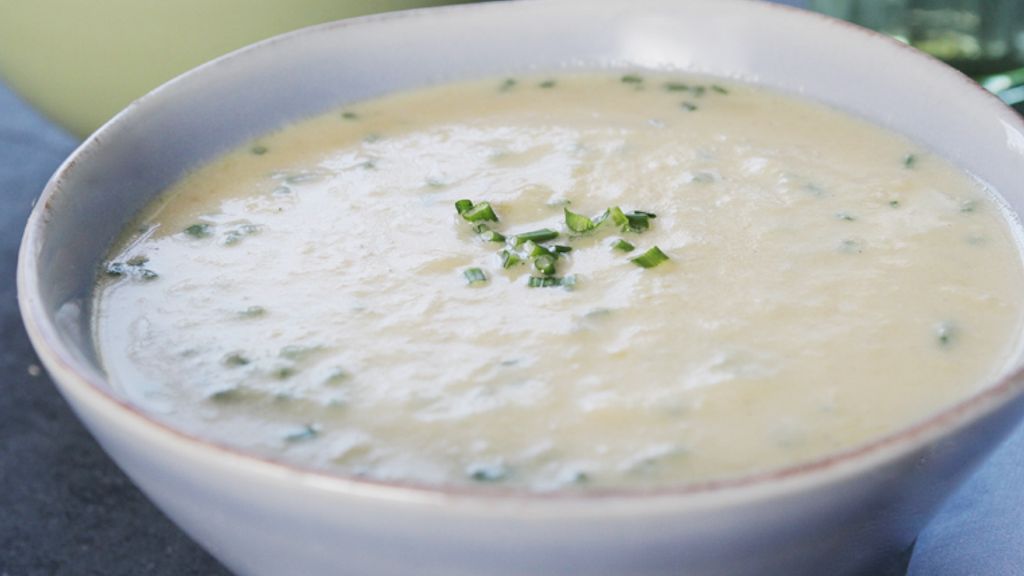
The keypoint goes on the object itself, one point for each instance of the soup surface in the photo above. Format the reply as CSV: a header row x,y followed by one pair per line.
x,y
650,280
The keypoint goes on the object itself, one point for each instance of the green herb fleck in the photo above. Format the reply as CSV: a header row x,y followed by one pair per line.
x,y
719,89
349,115
688,106
474,276
632,79
910,161
199,230
536,236
258,150
894,203
138,260
253,312
228,395
235,359
507,85
116,269
845,216
283,372
968,206
492,236
946,333
547,84
698,91
545,264
509,259
476,212
676,87
550,281
579,223
650,259
622,245
561,249
487,472
462,206
306,432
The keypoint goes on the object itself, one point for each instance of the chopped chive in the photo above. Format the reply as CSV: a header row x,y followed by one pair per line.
x,y
560,249
622,245
631,79
533,250
306,432
507,85
492,236
909,161
349,115
965,206
545,264
946,333
463,205
487,472
116,269
544,281
650,259
509,259
845,216
138,260
474,276
147,274
200,230
479,212
676,87
894,203
235,359
547,84
536,236
253,312
639,221
698,91
227,395
579,223
688,106
618,217
258,150
719,89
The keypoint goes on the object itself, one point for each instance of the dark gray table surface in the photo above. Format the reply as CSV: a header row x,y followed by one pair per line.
x,y
65,509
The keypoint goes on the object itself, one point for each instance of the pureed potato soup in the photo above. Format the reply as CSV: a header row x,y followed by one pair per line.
x,y
586,280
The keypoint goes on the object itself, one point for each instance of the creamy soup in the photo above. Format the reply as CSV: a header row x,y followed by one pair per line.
x,y
587,280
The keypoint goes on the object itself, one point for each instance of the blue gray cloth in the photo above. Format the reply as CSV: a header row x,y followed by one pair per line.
x,y
66,510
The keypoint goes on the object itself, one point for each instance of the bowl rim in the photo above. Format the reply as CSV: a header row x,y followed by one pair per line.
x,y
73,379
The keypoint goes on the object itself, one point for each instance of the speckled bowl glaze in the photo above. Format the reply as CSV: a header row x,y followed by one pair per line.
x,y
845,514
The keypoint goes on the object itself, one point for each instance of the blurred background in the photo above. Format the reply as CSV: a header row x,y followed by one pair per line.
x,y
80,62
66,66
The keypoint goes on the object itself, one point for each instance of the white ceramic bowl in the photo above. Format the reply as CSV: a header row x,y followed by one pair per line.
x,y
841,515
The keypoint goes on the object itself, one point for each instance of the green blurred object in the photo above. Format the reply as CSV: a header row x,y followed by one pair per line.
x,y
982,38
81,61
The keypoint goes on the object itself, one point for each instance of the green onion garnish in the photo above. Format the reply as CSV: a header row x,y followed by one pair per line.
x,y
639,221
200,230
719,89
547,84
544,281
258,150
347,115
492,236
545,264
909,161
478,212
650,259
632,79
623,245
474,276
676,87
508,84
462,206
509,259
688,106
536,236
581,224
560,249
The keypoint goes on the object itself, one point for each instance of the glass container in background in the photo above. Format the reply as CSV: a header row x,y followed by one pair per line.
x,y
982,38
